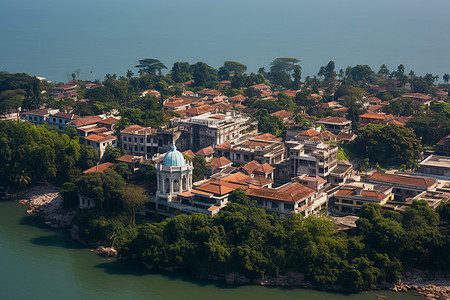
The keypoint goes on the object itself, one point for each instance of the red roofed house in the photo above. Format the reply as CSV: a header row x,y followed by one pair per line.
x,y
291,197
238,99
100,141
404,186
65,91
284,115
178,103
37,116
443,146
217,164
419,98
206,152
378,119
254,168
336,124
350,198
60,119
150,92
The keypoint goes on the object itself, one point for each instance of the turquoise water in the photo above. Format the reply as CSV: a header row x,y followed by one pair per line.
x,y
53,38
37,262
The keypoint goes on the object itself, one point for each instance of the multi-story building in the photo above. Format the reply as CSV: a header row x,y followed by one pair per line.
x,y
311,158
60,119
146,141
336,124
443,146
38,116
291,197
100,141
212,129
350,198
404,186
264,149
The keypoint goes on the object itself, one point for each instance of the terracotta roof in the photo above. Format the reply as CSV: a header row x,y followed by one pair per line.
x,y
291,192
210,92
129,158
375,108
215,188
186,194
175,102
265,137
345,191
309,132
346,136
136,129
256,166
373,116
404,180
205,151
255,143
335,120
373,194
316,178
259,180
236,177
260,86
238,98
99,168
39,112
189,153
66,116
99,138
218,162
198,110
226,145
290,93
417,95
282,114
86,121
109,121
95,129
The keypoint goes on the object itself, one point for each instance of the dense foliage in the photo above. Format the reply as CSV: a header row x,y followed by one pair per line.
x,y
246,239
30,153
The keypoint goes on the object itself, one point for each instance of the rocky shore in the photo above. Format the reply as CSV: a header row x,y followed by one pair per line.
x,y
45,201
431,285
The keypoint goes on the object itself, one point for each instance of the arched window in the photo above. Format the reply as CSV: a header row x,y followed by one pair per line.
x,y
167,185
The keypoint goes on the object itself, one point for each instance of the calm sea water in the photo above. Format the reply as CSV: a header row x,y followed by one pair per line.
x,y
37,262
53,38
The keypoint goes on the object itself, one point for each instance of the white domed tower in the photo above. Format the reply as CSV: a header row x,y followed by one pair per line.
x,y
174,175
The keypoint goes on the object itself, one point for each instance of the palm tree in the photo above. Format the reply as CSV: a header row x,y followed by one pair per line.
x,y
129,74
446,77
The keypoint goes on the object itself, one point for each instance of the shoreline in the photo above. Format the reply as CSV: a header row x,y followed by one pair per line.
x,y
45,202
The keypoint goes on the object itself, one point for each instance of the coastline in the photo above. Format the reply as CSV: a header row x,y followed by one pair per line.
x,y
45,202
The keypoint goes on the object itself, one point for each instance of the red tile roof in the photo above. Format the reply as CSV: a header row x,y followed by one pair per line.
x,y
226,145
205,151
237,98
99,138
86,121
282,114
66,116
309,132
209,92
404,180
38,112
109,121
99,168
373,194
291,192
255,144
256,166
219,162
189,153
129,158
346,136
261,86
335,120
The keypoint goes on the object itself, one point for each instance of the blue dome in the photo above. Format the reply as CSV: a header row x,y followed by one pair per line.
x,y
173,158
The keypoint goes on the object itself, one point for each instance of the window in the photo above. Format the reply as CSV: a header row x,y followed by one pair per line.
x,y
274,205
142,140
347,201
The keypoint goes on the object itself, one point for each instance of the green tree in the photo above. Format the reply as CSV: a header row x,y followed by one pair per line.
x,y
388,144
133,198
199,164
281,70
446,77
150,66
384,71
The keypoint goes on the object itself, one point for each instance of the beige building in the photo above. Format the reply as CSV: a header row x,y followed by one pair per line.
x,y
211,129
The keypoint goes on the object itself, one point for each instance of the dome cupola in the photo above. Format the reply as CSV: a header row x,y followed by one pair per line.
x,y
173,158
